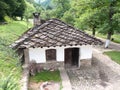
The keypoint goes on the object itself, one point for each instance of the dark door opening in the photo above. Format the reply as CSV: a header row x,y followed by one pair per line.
x,y
68,56
71,56
75,56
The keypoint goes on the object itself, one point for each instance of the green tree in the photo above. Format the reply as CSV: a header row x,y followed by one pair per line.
x,y
21,9
101,15
61,6
29,10
13,5
3,8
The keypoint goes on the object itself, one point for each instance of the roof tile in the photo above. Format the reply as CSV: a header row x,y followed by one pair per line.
x,y
54,32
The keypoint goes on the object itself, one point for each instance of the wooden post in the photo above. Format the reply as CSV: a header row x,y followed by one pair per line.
x,y
26,56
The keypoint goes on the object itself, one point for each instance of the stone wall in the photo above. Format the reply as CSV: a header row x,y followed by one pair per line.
x,y
51,65
85,62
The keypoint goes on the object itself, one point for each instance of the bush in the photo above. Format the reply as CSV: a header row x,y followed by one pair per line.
x,y
9,83
7,19
9,60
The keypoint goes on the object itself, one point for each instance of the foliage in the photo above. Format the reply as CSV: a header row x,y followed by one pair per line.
x,y
8,61
46,76
116,36
13,5
10,67
13,30
61,7
21,9
114,55
30,9
3,8
9,83
11,8
68,17
101,15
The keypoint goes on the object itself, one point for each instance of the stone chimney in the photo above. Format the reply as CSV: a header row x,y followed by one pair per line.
x,y
36,19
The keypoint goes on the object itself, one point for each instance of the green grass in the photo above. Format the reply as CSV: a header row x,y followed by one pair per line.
x,y
46,76
114,55
115,36
9,60
13,30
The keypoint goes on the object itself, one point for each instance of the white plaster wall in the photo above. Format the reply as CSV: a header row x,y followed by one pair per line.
x,y
37,54
86,52
60,54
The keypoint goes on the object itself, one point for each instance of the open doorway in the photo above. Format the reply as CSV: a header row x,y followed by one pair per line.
x,y
72,57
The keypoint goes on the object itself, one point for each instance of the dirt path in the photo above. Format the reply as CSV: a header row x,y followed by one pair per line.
x,y
113,46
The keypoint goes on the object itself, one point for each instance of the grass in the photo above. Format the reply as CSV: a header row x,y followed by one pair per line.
x,y
46,76
13,30
114,55
9,60
115,36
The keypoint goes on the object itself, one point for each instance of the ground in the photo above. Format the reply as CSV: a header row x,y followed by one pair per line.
x,y
48,80
91,78
37,86
102,75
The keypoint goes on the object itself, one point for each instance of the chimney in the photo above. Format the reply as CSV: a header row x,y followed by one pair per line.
x,y
36,19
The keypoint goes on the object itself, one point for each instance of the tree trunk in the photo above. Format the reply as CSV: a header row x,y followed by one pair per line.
x,y
111,31
108,39
21,18
93,32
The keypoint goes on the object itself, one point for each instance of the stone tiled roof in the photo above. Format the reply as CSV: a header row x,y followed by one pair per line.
x,y
54,33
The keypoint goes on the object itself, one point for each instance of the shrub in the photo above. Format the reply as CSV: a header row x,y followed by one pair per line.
x,y
9,83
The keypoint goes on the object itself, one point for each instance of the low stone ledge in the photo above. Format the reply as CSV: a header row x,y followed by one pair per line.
x,y
85,62
25,78
51,65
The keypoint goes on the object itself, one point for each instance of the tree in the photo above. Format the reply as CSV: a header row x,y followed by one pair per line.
x,y
3,8
101,15
29,10
13,5
68,17
110,22
21,9
61,6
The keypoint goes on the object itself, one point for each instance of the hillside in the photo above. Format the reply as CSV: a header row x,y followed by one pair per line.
x,y
10,67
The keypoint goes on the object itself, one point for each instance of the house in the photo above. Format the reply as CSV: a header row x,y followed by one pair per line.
x,y
55,42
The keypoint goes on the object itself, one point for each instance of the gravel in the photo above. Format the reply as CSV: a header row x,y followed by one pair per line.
x,y
104,74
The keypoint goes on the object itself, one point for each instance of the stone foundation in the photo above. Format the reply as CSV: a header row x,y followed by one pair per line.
x,y
85,62
51,65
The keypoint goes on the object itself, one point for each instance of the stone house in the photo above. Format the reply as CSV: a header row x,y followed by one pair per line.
x,y
55,42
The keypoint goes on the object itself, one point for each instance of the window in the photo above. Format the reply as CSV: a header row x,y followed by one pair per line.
x,y
51,55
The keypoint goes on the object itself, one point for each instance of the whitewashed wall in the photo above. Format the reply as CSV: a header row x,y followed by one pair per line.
x,y
60,54
86,52
39,54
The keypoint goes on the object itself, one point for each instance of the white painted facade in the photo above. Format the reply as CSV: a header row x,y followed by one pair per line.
x,y
85,52
39,54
